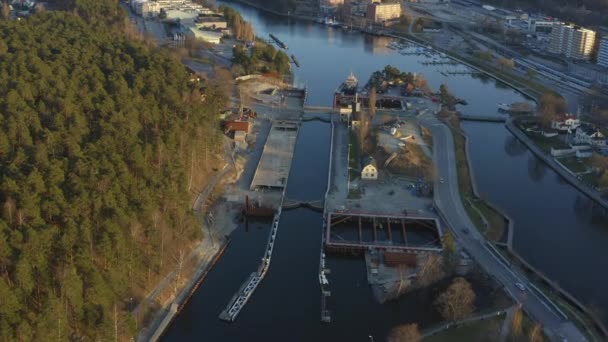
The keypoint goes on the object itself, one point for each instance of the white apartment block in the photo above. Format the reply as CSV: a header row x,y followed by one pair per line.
x,y
572,41
602,54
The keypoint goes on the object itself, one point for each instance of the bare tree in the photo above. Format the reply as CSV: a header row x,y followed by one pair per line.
x,y
180,265
430,269
517,322
115,323
536,334
405,333
449,245
372,101
599,162
550,107
506,64
457,301
39,8
6,11
364,132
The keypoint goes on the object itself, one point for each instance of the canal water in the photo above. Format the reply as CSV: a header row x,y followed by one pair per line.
x,y
556,228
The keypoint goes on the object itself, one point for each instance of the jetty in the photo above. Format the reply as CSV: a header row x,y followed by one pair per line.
x,y
278,41
295,61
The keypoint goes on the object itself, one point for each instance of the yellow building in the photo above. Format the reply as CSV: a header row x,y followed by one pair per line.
x,y
383,12
370,170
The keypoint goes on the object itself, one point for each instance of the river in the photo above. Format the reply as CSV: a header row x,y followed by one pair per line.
x,y
556,228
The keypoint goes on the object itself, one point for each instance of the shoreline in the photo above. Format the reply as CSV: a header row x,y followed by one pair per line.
x,y
569,178
495,77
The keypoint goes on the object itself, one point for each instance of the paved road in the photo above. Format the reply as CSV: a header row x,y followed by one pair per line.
x,y
449,202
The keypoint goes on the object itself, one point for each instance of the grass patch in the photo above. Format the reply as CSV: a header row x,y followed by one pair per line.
x,y
591,179
496,222
354,194
203,60
353,156
484,330
576,165
427,137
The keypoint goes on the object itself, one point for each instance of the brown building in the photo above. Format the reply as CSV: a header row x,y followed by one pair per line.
x,y
382,12
236,126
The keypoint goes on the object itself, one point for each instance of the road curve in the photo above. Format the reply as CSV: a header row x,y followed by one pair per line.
x,y
449,203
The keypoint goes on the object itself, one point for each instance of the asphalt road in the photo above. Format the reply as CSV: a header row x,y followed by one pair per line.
x,y
449,202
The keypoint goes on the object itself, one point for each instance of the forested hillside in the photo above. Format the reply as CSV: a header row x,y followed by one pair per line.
x,y
101,140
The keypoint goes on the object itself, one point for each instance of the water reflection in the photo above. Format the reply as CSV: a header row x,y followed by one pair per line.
x,y
485,79
514,147
588,211
377,46
502,85
536,168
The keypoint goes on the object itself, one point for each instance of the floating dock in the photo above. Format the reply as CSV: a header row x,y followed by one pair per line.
x,y
275,163
238,301
295,61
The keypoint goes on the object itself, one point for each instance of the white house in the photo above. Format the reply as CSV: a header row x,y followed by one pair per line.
x,y
586,134
370,169
566,123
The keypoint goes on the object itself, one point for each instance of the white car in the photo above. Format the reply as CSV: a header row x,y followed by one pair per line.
x,y
441,180
520,286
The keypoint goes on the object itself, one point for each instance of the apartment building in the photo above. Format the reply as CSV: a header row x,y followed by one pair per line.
x,y
572,41
378,12
602,54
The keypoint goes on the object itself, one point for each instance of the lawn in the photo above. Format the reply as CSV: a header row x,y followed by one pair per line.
x,y
590,179
353,156
545,143
576,165
485,330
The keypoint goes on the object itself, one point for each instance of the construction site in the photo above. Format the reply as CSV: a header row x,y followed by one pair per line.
x,y
358,232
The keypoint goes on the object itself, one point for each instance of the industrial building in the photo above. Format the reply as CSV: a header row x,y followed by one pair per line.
x,y
572,41
602,54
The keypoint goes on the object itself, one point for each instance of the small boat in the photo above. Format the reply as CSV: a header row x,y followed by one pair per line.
x,y
504,106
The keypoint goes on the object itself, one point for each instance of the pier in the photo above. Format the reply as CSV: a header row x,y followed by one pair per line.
x,y
278,41
275,162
